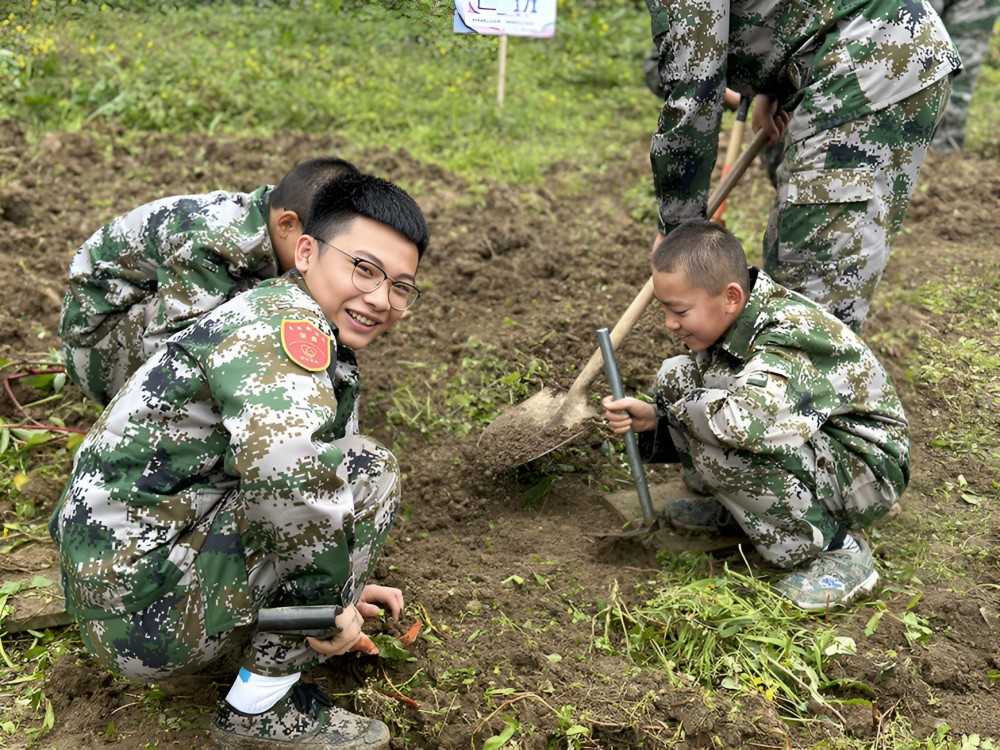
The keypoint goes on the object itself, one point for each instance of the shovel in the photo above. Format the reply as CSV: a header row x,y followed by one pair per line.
x,y
548,420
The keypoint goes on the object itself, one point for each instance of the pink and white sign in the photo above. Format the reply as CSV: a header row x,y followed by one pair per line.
x,y
512,17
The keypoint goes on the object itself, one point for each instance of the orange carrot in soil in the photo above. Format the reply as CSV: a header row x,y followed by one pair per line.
x,y
410,635
366,646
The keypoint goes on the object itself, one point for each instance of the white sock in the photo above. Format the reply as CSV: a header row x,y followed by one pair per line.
x,y
254,693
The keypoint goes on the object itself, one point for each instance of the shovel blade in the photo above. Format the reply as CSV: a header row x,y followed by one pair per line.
x,y
529,430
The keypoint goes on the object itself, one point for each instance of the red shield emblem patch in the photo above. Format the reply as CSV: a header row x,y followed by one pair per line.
x,y
305,344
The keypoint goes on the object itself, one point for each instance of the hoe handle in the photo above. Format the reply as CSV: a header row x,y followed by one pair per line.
x,y
631,444
635,310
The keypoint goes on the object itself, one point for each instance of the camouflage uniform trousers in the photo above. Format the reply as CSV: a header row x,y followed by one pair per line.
x,y
842,196
970,25
102,363
169,636
790,505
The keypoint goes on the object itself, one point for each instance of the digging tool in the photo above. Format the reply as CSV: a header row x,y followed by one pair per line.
x,y
631,443
548,420
298,619
733,151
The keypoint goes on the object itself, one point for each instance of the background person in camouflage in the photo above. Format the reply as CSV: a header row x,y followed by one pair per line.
x,y
783,419
227,475
153,271
865,83
970,24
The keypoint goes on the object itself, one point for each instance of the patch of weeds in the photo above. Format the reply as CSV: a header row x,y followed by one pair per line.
x,y
26,660
397,73
467,397
640,201
937,544
731,631
896,733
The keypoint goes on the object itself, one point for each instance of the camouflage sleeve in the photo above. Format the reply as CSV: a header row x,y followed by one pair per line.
x,y
99,285
280,418
776,404
691,37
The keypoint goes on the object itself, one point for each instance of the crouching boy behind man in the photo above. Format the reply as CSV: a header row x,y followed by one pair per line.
x,y
228,476
786,425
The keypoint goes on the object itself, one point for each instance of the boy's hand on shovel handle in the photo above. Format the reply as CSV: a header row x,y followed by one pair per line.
x,y
627,414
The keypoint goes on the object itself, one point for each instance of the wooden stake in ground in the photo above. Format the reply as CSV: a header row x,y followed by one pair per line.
x,y
502,70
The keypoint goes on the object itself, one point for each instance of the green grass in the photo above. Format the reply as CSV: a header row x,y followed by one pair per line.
x,y
371,73
984,112
435,397
730,631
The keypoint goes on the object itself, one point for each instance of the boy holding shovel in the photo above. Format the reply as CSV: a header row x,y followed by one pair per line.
x,y
228,476
786,425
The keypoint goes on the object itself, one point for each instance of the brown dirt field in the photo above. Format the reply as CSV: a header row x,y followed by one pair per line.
x,y
530,273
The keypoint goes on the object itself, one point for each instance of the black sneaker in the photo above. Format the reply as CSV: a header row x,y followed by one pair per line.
x,y
304,719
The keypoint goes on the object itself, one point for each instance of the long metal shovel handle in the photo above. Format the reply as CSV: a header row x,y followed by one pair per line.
x,y
635,310
631,444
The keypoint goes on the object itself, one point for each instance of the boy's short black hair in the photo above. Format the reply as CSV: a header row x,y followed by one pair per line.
x,y
351,196
298,188
709,255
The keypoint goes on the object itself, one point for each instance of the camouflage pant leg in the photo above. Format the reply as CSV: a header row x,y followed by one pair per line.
x,y
676,377
842,196
790,506
175,634
171,635
970,25
651,73
778,511
373,475
100,367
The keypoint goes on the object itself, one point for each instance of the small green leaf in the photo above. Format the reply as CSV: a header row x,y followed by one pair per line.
x,y
841,645
499,740
4,440
390,649
50,717
971,499
515,579
74,440
554,658
873,622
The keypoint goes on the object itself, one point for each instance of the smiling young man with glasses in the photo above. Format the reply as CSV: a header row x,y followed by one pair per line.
x,y
228,476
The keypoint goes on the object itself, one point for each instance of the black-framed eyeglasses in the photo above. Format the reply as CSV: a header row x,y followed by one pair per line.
x,y
367,277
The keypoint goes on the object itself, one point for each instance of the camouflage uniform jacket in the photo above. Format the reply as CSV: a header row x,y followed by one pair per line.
x,y
785,370
844,58
221,408
186,254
